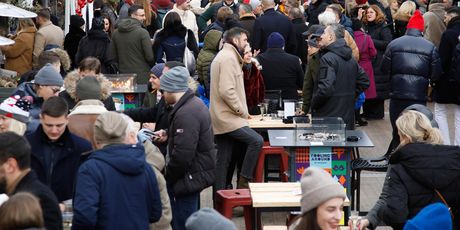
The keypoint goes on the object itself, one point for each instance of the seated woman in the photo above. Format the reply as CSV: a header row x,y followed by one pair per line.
x,y
321,203
422,172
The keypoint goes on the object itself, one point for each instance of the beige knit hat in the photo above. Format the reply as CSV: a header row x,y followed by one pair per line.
x,y
110,128
318,187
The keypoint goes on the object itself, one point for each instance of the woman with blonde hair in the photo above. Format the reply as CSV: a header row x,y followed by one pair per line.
x,y
422,171
401,18
21,211
19,55
14,114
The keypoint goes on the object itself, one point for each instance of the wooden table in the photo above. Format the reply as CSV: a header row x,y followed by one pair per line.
x,y
276,197
257,123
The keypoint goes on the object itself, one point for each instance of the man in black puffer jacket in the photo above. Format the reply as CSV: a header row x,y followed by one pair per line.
x,y
412,62
191,157
340,78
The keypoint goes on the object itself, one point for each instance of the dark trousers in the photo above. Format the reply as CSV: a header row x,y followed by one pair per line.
x,y
396,107
374,108
224,153
182,207
236,162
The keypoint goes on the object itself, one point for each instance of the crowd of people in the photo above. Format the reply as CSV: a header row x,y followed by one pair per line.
x,y
208,65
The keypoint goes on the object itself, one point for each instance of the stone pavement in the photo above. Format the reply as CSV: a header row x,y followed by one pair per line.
x,y
379,132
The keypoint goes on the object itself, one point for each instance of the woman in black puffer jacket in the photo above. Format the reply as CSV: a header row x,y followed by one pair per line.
x,y
380,32
97,44
418,167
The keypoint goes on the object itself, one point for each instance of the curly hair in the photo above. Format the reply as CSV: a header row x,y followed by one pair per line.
x,y
379,15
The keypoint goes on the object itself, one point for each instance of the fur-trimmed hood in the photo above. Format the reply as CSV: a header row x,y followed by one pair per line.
x,y
64,58
70,84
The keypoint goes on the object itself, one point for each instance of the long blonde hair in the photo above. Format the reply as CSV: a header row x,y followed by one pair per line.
x,y
406,10
25,23
417,128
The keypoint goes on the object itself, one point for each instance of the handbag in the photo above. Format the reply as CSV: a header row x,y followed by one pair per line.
x,y
445,203
189,57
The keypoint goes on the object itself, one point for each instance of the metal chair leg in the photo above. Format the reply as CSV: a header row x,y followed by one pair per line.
x,y
358,190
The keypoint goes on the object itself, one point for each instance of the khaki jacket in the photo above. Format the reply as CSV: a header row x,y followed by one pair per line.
x,y
48,34
228,108
19,55
82,118
155,159
434,23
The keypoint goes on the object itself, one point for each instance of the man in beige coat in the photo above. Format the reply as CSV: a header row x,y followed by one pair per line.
x,y
47,34
229,112
434,21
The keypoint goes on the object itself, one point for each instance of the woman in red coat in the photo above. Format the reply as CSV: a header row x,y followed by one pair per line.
x,y
367,52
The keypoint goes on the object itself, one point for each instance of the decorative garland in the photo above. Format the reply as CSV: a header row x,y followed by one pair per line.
x,y
80,5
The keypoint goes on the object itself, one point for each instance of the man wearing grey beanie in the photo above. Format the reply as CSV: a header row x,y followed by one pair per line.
x,y
191,155
47,83
322,201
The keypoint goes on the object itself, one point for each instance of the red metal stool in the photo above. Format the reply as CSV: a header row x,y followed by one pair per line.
x,y
269,150
226,200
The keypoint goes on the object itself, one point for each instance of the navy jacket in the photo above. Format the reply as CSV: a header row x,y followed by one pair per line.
x,y
272,21
281,71
116,189
60,177
412,62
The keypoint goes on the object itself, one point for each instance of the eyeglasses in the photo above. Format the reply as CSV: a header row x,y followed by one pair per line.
x,y
55,89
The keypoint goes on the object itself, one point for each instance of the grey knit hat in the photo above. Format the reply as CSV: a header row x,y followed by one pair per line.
x,y
157,69
208,218
110,128
318,187
175,80
88,88
48,75
425,111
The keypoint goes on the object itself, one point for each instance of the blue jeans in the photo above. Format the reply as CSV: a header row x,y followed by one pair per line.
x,y
182,207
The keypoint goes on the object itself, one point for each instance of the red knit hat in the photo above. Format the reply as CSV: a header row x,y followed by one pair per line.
x,y
416,22
361,2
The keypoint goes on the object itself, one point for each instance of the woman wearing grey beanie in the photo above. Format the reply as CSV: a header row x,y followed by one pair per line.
x,y
321,203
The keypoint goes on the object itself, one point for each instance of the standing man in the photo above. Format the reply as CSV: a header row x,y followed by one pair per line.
x,y
188,18
229,112
273,21
434,21
412,61
211,12
340,78
47,34
281,71
191,157
132,46
444,92
17,176
115,187
55,151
